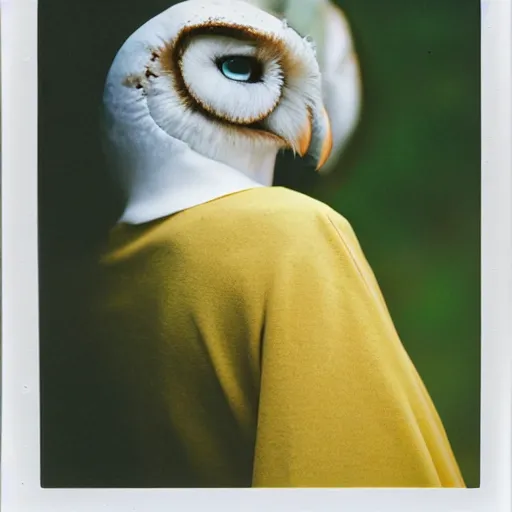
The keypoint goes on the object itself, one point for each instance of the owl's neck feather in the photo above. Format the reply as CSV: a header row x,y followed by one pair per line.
x,y
257,163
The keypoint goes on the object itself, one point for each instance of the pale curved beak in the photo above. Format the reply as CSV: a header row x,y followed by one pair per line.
x,y
315,138
305,136
325,139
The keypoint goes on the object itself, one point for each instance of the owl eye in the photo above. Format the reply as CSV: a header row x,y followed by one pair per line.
x,y
241,69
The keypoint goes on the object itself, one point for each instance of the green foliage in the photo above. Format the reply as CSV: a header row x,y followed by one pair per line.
x,y
410,186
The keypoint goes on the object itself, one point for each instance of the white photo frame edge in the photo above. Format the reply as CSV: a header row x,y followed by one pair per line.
x,y
20,366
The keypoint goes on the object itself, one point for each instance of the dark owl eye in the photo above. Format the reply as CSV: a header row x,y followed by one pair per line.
x,y
241,69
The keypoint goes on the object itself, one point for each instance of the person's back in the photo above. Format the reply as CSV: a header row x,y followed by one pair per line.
x,y
244,342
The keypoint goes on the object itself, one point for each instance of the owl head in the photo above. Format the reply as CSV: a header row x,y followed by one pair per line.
x,y
212,81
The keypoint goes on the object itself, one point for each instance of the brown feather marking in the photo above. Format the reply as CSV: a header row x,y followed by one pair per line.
x,y
150,73
132,80
270,47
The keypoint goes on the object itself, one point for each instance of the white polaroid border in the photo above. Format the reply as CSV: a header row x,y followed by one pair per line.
x,y
21,489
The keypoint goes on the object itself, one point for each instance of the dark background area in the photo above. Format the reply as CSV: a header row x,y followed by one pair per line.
x,y
409,182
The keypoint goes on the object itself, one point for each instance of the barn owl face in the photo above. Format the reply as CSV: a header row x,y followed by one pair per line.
x,y
221,79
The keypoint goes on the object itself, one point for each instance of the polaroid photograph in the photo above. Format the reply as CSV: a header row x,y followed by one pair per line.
x,y
256,254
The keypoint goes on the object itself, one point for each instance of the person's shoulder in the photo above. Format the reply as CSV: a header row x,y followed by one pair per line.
x,y
294,209
283,207
260,217
280,217
281,201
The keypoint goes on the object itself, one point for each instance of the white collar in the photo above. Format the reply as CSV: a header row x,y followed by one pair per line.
x,y
198,181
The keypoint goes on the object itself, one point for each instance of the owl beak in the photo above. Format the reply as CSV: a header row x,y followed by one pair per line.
x,y
315,138
325,139
305,136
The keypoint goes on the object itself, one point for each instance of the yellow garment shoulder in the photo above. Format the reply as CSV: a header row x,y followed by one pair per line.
x,y
273,336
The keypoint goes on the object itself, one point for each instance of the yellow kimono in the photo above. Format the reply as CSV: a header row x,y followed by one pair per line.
x,y
248,344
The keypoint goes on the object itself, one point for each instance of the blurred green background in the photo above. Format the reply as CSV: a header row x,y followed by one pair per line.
x,y
410,186
409,182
